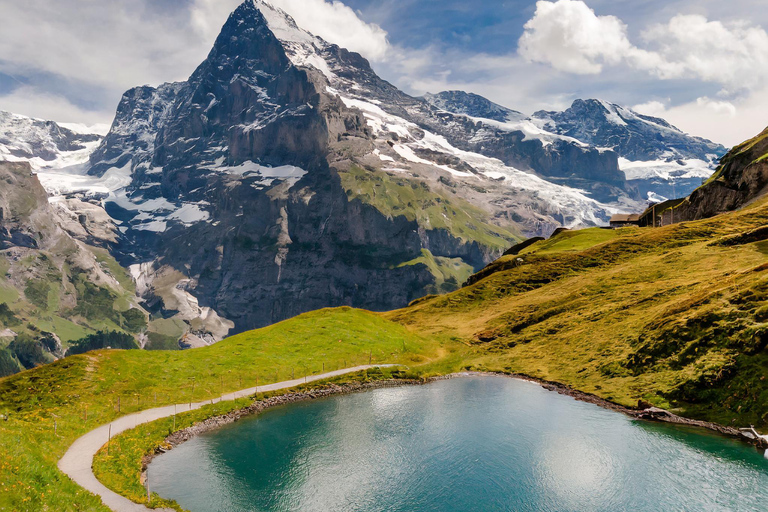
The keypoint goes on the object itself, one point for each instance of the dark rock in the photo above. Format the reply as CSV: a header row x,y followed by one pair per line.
x,y
643,405
741,178
516,249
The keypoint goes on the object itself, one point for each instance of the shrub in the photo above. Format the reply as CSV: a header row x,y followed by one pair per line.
x,y
101,340
7,318
159,341
133,320
29,352
36,292
8,363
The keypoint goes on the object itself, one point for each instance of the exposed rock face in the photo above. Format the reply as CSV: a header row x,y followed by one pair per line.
x,y
23,203
741,178
30,225
131,139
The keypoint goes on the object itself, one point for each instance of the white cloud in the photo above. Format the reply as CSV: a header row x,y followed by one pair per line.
x,y
727,122
33,102
111,44
720,108
333,21
735,55
568,35
651,108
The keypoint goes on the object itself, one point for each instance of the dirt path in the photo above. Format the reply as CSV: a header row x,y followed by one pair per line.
x,y
78,461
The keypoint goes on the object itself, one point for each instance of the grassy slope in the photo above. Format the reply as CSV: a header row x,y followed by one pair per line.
x,y
61,391
412,198
573,241
667,315
450,273
42,304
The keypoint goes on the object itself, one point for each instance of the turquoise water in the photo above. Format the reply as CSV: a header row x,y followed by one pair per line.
x,y
469,444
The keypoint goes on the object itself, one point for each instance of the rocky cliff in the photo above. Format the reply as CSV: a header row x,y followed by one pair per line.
x,y
741,177
236,190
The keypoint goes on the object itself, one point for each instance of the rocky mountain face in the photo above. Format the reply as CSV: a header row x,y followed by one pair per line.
x,y
633,136
236,197
741,177
655,156
519,142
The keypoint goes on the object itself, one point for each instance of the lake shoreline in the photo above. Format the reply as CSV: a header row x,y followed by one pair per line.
x,y
647,414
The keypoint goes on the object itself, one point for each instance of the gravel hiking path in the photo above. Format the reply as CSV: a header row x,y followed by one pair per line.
x,y
78,461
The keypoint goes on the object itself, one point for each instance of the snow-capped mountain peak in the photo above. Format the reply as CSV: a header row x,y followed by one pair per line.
x,y
45,144
473,105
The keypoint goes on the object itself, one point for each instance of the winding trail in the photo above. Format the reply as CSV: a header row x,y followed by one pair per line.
x,y
78,461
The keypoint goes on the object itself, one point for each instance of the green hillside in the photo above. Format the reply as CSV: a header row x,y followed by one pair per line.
x,y
46,409
433,209
674,316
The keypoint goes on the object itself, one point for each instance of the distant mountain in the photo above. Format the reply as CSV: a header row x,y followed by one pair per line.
x,y
44,143
472,105
655,156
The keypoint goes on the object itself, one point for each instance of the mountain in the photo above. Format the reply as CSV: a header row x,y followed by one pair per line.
x,y
473,105
655,156
55,287
45,144
285,176
515,140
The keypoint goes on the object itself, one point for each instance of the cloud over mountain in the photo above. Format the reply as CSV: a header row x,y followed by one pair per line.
x,y
571,37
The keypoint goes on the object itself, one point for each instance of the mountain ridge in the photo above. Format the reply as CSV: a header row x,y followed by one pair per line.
x,y
285,167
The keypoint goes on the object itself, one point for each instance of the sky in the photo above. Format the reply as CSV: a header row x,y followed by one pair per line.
x,y
701,64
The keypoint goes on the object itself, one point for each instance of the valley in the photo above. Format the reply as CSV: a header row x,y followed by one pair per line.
x,y
285,212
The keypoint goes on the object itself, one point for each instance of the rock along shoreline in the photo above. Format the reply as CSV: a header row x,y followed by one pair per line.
x,y
648,414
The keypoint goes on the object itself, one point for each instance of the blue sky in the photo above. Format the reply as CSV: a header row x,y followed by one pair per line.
x,y
702,64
